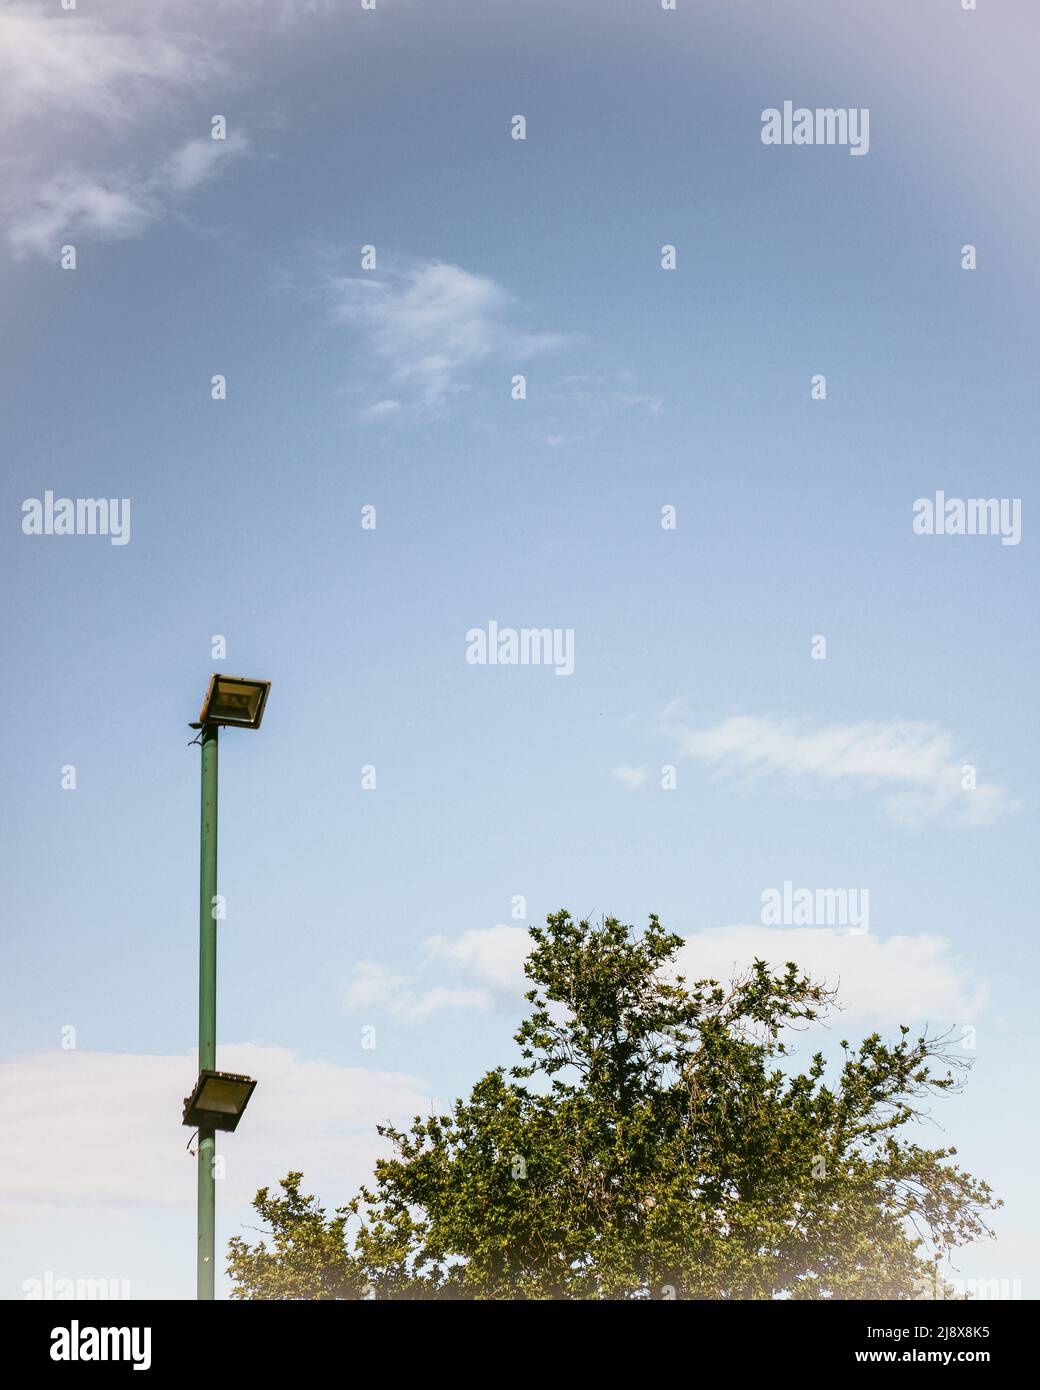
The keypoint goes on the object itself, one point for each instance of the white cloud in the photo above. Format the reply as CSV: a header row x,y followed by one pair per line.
x,y
914,761
374,989
105,67
637,399
883,982
197,161
95,1129
380,410
631,777
74,203
439,999
488,965
430,325
99,111
492,957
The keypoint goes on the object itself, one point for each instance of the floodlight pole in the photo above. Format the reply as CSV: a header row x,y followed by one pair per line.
x,y
207,1005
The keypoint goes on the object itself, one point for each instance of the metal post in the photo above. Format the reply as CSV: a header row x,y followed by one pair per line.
x,y
207,1004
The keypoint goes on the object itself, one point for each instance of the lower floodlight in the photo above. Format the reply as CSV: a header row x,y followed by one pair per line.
x,y
218,1100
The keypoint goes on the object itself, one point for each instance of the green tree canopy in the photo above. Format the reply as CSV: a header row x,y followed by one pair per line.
x,y
656,1141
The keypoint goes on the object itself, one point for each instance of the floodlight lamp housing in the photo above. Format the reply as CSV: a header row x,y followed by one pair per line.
x,y
218,1100
234,701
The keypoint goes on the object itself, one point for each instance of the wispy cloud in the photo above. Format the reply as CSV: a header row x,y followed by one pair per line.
x,y
70,203
913,763
423,331
430,325
196,162
380,410
106,68
587,403
487,966
99,122
631,777
373,989
73,202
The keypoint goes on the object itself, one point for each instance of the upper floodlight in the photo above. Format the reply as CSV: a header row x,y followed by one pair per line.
x,y
233,700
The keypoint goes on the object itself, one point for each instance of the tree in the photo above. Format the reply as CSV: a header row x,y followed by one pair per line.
x,y
656,1141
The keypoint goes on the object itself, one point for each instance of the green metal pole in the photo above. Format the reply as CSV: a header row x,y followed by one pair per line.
x,y
207,1004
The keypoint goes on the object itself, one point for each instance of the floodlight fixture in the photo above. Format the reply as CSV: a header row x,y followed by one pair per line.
x,y
234,701
218,1100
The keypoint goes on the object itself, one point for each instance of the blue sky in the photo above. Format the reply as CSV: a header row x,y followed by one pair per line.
x,y
391,387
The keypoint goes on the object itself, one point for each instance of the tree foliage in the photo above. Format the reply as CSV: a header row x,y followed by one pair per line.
x,y
657,1140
